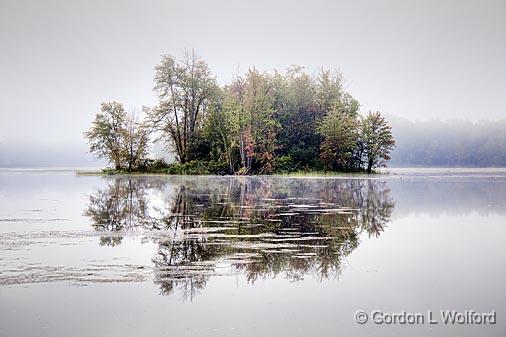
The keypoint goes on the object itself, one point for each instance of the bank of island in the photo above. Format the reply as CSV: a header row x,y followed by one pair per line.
x,y
260,123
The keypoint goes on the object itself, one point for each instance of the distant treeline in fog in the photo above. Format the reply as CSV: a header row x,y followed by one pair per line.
x,y
448,143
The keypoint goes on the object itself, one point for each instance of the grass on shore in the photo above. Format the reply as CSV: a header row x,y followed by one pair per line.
x,y
316,173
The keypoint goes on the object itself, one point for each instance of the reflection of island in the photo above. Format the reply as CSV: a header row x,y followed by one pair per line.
x,y
262,227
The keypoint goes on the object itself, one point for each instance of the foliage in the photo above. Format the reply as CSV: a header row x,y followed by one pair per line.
x,y
104,137
297,112
260,123
119,137
191,167
338,149
376,140
284,164
158,165
135,142
355,143
263,128
185,89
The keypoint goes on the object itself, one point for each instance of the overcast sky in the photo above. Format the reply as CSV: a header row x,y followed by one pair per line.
x,y
417,59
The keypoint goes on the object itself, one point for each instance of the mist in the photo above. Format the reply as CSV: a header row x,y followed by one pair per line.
x,y
451,143
61,59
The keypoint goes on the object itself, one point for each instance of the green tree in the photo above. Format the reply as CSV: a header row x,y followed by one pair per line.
x,y
296,110
258,103
376,140
241,122
118,136
329,89
221,132
135,141
340,141
185,89
106,133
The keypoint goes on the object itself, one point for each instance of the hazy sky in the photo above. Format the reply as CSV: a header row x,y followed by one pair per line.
x,y
415,59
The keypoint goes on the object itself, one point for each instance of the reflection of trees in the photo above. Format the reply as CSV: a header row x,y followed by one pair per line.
x,y
377,210
262,227
110,240
122,205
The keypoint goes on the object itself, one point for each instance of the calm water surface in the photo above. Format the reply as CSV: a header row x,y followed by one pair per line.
x,y
259,256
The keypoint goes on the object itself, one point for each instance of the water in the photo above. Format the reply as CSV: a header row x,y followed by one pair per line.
x,y
238,256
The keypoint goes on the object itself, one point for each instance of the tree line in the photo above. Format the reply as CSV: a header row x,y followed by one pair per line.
x,y
260,123
453,143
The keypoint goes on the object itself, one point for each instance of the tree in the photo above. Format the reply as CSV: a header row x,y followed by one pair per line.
x,y
258,102
185,89
329,89
340,141
297,111
236,107
135,141
249,108
376,140
259,123
221,130
118,136
106,134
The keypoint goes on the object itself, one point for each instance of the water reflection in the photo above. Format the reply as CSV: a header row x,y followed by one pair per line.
x,y
262,226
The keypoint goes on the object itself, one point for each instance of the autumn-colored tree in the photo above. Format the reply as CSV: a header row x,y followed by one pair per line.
x,y
249,106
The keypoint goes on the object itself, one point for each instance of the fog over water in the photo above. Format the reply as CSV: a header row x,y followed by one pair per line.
x,y
85,254
61,59
249,256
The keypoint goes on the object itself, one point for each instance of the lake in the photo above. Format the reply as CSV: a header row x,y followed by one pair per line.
x,y
252,256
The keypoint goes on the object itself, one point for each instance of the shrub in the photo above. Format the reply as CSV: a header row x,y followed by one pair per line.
x,y
156,166
193,167
218,167
284,164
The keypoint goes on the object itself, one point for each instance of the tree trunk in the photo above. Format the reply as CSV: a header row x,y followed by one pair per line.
x,y
369,166
242,151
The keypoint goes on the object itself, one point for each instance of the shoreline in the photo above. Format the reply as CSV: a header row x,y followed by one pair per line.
x,y
293,174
